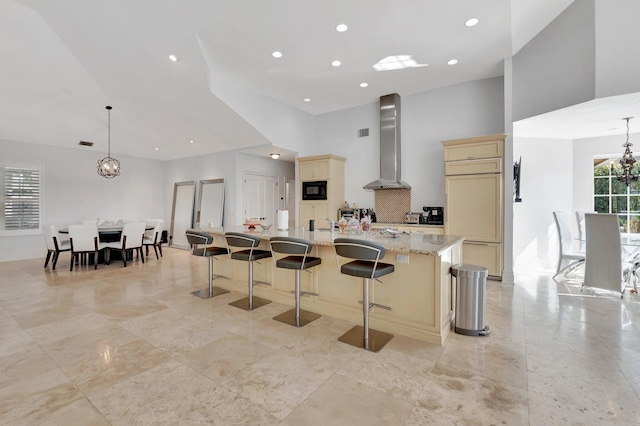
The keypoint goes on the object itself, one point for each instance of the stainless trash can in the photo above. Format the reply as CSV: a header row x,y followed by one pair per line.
x,y
470,299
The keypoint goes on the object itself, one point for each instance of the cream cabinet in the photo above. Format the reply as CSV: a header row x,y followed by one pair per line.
x,y
314,170
474,188
322,167
317,211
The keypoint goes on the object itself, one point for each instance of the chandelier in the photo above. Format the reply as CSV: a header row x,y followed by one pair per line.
x,y
626,162
109,167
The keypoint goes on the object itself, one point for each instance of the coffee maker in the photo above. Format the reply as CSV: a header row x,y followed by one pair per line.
x,y
432,216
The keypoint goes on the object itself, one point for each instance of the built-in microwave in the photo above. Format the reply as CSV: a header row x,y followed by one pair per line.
x,y
316,190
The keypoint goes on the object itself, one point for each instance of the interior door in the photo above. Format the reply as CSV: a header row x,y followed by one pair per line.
x,y
260,196
182,213
210,203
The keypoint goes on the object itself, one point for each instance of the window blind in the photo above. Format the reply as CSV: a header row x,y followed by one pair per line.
x,y
21,198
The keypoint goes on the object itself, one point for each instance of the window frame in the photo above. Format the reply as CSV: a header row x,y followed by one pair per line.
x,y
629,198
20,232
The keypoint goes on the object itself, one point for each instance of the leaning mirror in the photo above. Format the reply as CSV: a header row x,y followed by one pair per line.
x,y
182,213
210,205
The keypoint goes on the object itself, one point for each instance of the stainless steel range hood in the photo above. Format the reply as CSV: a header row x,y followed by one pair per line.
x,y
390,176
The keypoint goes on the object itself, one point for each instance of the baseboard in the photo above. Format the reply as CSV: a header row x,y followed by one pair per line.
x,y
9,256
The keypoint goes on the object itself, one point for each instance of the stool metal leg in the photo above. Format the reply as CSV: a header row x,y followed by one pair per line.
x,y
212,291
250,303
296,316
362,336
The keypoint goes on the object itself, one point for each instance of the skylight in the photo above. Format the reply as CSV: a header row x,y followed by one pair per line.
x,y
397,62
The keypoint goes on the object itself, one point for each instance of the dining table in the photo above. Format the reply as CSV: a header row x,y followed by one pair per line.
x,y
109,234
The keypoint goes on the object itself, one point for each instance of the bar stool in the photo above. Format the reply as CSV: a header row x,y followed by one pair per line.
x,y
367,266
249,254
298,260
197,239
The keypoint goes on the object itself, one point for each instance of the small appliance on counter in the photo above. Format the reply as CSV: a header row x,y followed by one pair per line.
x,y
356,213
432,216
412,217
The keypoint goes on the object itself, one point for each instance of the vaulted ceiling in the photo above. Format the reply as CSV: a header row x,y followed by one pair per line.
x,y
64,61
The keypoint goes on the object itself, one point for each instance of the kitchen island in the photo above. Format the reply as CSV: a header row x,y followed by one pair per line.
x,y
419,291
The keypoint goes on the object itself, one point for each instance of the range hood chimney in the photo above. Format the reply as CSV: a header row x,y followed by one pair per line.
x,y
390,176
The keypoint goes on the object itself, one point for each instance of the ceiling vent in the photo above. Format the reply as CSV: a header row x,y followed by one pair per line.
x,y
85,143
363,133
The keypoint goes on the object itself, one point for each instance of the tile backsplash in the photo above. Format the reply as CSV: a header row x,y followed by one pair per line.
x,y
392,204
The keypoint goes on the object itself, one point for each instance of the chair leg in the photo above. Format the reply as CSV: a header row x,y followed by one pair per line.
x,y
365,311
297,317
249,303
212,291
95,260
141,254
46,262
124,257
361,336
73,257
154,249
160,249
55,260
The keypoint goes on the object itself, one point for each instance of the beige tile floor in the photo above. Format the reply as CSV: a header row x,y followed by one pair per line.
x,y
126,346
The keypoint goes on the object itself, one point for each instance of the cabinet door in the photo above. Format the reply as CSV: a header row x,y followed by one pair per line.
x,y
318,211
470,150
307,211
318,169
307,170
488,255
322,212
474,207
321,169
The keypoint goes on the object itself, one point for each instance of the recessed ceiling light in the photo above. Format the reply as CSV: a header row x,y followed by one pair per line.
x,y
452,62
173,57
336,63
157,149
274,155
307,99
471,22
190,140
277,54
364,84
341,28
397,62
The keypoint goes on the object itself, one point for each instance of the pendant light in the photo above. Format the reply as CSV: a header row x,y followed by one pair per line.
x,y
109,167
626,162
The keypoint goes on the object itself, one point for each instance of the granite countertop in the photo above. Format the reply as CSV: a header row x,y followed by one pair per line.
x,y
410,225
432,245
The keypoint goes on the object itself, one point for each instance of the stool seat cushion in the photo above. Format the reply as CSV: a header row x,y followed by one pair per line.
x,y
247,256
209,251
295,262
364,269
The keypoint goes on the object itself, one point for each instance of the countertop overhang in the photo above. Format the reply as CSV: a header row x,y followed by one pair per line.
x,y
425,244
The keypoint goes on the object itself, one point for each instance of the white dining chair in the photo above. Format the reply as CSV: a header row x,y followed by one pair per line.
x,y
581,231
130,239
152,238
565,243
55,244
84,240
604,262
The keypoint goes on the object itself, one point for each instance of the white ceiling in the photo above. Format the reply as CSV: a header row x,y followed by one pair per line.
x,y
63,61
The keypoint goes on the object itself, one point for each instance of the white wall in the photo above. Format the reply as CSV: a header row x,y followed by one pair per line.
x,y
228,165
547,185
73,191
469,109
